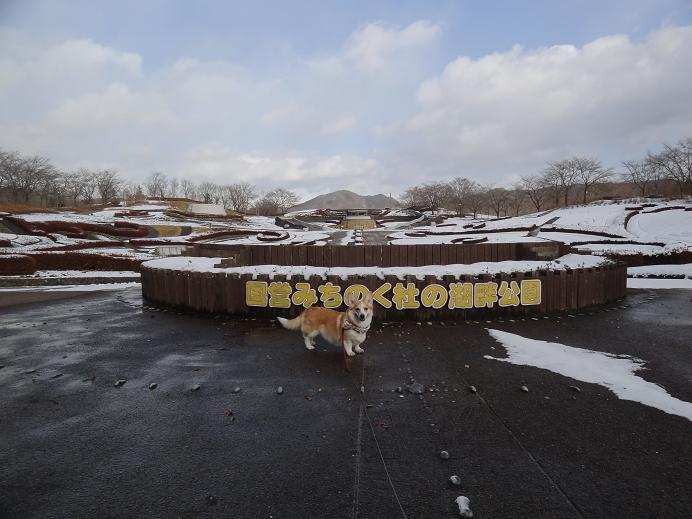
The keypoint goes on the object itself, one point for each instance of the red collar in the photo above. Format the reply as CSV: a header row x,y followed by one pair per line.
x,y
348,325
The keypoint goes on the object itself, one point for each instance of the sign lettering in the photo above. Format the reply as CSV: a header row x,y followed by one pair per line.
x,y
463,295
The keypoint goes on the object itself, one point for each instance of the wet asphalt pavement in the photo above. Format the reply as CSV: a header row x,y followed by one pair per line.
x,y
74,445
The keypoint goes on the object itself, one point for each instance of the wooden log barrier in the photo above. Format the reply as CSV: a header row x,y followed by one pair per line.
x,y
408,297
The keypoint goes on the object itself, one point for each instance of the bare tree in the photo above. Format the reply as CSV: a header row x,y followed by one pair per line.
x,y
188,188
108,185
89,184
276,201
640,173
172,187
240,196
516,199
676,162
476,199
25,176
206,191
73,186
561,175
156,185
536,189
11,173
457,192
589,172
426,196
497,199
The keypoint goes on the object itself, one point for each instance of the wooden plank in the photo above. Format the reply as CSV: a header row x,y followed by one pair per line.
x,y
368,260
420,255
436,254
385,255
276,254
360,255
302,255
319,255
394,258
428,254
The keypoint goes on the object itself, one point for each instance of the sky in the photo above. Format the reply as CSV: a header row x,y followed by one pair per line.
x,y
315,96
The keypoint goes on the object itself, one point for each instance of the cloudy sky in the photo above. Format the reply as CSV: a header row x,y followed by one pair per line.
x,y
320,95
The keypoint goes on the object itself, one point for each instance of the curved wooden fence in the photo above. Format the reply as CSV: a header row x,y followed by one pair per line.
x,y
378,255
431,298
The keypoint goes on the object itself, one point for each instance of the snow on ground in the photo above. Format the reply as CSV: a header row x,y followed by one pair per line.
x,y
208,209
399,225
261,222
400,238
659,284
572,237
78,274
625,248
195,264
616,373
671,227
464,506
348,238
294,237
73,288
667,226
684,270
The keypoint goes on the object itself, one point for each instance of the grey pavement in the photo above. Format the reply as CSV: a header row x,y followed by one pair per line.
x,y
334,444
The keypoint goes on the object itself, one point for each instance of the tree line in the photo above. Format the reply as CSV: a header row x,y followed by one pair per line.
x,y
561,183
35,180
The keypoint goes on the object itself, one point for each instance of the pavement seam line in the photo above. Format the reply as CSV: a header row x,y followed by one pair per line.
x,y
540,467
552,482
356,483
377,444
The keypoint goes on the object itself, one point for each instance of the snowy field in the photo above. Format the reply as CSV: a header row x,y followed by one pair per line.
x,y
598,229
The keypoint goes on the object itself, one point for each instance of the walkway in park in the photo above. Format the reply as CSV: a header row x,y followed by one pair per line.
x,y
333,444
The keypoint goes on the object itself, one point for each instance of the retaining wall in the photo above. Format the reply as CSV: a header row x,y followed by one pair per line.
x,y
377,255
560,291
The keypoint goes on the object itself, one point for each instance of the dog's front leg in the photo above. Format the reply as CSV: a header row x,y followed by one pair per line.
x,y
357,348
348,346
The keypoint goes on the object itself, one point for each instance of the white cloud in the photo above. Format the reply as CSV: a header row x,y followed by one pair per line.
x,y
363,117
338,125
373,45
307,120
518,108
307,175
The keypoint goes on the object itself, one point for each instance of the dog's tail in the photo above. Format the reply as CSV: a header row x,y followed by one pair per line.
x,y
291,324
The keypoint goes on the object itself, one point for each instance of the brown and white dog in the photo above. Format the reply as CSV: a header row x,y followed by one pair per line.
x,y
352,325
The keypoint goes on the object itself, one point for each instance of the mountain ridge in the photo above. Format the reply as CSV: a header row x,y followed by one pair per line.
x,y
345,199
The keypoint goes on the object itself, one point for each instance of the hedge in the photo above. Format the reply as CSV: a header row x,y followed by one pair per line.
x,y
17,265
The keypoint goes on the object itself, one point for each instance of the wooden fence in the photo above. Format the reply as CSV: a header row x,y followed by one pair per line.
x,y
378,255
561,290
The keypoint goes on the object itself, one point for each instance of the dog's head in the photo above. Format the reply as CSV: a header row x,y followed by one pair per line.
x,y
359,311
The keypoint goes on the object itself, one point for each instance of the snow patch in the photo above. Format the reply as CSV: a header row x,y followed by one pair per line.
x,y
684,270
73,288
659,283
615,372
200,264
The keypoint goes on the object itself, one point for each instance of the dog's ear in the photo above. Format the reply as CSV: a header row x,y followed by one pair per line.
x,y
368,299
350,299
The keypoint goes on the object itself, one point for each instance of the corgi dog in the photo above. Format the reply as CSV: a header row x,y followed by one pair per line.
x,y
352,325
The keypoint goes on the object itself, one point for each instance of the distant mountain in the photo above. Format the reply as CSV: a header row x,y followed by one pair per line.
x,y
344,199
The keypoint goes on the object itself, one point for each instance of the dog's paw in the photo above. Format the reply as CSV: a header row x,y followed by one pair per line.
x,y
310,347
350,353
358,349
